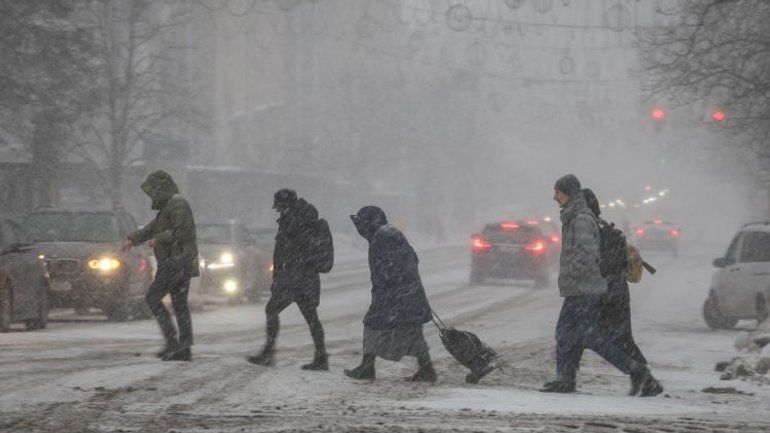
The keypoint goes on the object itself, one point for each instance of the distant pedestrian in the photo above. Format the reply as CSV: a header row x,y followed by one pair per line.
x,y
615,315
581,284
296,276
172,234
399,308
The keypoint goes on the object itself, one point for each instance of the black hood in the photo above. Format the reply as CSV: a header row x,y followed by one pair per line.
x,y
160,187
368,220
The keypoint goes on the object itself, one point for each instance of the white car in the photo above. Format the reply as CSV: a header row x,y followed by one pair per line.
x,y
740,288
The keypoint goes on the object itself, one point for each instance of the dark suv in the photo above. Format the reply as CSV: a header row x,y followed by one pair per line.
x,y
87,268
510,249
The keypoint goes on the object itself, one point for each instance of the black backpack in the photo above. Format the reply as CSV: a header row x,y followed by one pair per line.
x,y
613,255
323,247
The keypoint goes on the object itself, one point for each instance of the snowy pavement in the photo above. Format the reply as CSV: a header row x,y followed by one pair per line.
x,y
96,376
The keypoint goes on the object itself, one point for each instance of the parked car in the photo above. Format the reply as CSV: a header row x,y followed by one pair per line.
x,y
24,281
510,249
658,235
740,287
87,268
234,264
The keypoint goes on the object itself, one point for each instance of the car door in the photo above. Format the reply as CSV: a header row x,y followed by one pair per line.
x,y
727,279
754,273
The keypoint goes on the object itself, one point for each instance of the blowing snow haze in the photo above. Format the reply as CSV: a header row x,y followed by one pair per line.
x,y
455,118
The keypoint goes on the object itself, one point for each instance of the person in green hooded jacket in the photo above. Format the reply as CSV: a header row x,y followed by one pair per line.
x,y
172,235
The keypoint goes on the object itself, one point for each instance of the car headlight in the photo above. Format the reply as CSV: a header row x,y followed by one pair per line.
x,y
230,286
226,260
104,264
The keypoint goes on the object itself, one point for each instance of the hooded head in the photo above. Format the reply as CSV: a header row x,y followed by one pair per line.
x,y
284,199
368,220
160,187
592,201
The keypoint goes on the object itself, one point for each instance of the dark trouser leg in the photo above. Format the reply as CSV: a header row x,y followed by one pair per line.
x,y
154,298
569,346
588,308
182,312
316,329
275,305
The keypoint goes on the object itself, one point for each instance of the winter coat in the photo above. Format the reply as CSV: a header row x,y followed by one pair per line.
x,y
173,227
398,297
579,264
293,262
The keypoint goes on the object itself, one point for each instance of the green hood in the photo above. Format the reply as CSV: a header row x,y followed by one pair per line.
x,y
160,187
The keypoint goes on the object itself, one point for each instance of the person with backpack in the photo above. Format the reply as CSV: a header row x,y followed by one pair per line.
x,y
615,315
399,308
303,249
582,286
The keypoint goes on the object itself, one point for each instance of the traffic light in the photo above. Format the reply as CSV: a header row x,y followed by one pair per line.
x,y
718,116
658,114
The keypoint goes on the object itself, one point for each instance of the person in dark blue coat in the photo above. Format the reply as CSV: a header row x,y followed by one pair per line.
x,y
399,308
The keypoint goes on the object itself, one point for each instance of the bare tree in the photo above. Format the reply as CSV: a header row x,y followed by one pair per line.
x,y
716,55
143,80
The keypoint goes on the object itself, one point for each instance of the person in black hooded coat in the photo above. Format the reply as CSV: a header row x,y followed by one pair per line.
x,y
399,308
295,276
615,315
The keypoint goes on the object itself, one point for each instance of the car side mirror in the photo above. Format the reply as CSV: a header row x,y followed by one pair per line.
x,y
722,262
14,249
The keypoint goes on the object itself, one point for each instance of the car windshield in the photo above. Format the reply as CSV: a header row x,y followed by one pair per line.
x,y
72,227
214,234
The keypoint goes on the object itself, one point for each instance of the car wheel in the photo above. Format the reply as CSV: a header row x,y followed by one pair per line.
x,y
762,309
477,277
6,305
116,313
714,318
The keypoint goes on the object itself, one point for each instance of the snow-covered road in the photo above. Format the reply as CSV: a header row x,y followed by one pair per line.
x,y
81,376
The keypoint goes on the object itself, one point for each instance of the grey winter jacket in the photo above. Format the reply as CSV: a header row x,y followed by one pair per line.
x,y
579,267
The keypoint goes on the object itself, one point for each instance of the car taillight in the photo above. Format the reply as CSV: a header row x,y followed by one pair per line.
x,y
675,233
143,265
533,222
555,239
536,247
479,245
509,226
639,232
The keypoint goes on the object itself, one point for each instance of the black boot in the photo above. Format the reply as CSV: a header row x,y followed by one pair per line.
x,y
320,362
365,371
426,373
643,383
560,386
179,355
266,357
171,347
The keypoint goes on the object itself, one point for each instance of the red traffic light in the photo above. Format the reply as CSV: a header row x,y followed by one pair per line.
x,y
718,116
658,113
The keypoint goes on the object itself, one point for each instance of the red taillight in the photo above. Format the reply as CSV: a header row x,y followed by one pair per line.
x,y
658,221
675,233
143,265
533,222
479,245
509,226
639,232
536,247
555,239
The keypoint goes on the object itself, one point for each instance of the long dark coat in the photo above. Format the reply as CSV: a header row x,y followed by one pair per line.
x,y
398,297
293,262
